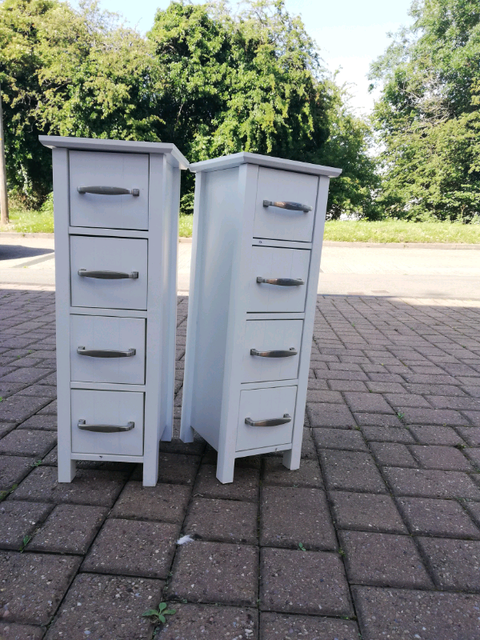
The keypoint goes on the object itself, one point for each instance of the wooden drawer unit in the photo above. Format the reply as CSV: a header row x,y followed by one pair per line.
x,y
257,242
116,233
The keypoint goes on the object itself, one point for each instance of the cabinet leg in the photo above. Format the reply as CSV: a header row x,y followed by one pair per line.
x,y
225,468
291,459
167,433
150,474
66,469
187,434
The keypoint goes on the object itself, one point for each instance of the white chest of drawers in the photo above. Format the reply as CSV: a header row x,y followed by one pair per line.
x,y
258,231
116,227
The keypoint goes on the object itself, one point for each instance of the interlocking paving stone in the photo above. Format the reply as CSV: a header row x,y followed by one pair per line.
x,y
474,456
9,388
275,626
12,470
165,502
429,434
387,434
393,454
437,518
455,563
133,548
397,614
33,585
367,511
471,435
367,402
27,375
96,488
18,408
222,520
47,423
346,439
309,474
24,442
347,385
177,468
431,483
443,417
102,607
378,420
18,520
245,485
473,417
70,528
318,395
352,470
308,582
42,390
20,632
216,572
311,525
441,457
6,427
206,622
50,409
329,415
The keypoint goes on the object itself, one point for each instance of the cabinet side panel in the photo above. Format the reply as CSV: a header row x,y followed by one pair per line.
x,y
219,208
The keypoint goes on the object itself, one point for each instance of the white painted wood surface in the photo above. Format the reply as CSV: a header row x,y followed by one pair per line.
x,y
235,240
119,233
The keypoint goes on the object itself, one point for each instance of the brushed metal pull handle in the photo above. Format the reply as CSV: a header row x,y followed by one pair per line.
x,y
291,206
279,353
281,282
105,353
272,422
105,428
107,275
109,191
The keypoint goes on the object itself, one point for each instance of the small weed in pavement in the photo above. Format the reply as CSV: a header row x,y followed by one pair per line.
x,y
25,541
157,616
301,547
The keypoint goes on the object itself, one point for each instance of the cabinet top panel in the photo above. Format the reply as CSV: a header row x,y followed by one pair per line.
x,y
123,146
237,159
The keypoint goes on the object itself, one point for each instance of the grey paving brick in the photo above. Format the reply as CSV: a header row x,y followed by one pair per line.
x,y
437,518
311,526
309,474
45,423
347,385
20,632
9,388
33,585
70,528
18,408
95,488
6,427
133,548
346,439
203,573
177,468
329,415
455,563
367,402
12,471
40,390
393,454
308,582
473,454
398,614
244,487
233,521
400,435
18,520
430,434
366,511
199,622
383,559
314,395
385,387
473,417
27,375
442,417
50,409
165,502
441,457
351,470
26,442
378,420
431,483
461,403
470,435
433,389
275,626
100,606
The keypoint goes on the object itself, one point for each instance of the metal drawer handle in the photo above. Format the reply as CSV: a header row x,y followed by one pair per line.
x,y
273,422
105,353
274,354
105,428
107,275
291,206
109,191
281,282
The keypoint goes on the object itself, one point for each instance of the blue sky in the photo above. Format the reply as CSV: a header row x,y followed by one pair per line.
x,y
350,33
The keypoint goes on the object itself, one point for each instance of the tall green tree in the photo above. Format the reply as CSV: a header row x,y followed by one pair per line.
x,y
428,116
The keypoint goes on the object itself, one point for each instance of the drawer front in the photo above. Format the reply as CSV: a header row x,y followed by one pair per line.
x,y
111,349
285,224
115,170
118,255
260,405
115,409
273,342
271,264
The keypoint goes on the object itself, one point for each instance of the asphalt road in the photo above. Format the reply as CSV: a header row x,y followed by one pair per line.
x,y
413,271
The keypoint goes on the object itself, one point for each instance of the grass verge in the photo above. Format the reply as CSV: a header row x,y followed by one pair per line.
x,y
28,221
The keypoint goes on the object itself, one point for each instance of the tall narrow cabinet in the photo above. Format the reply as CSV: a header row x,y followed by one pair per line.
x,y
116,226
258,230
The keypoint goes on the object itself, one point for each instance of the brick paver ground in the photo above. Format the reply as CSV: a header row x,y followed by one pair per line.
x,y
377,534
